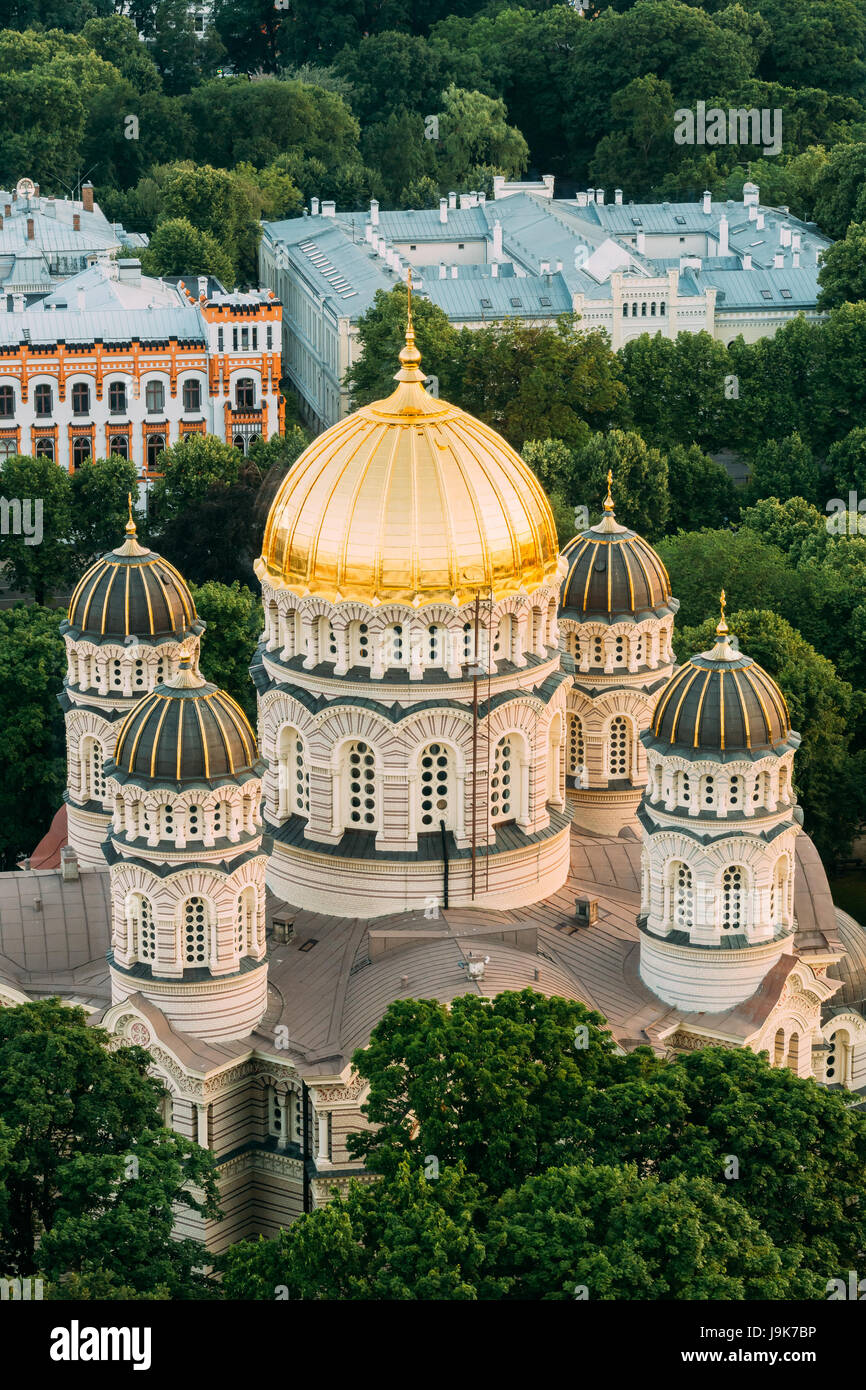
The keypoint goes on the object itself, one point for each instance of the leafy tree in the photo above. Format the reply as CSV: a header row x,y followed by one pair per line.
x,y
842,276
204,507
552,462
214,201
622,1236
249,30
701,491
392,71
184,58
115,38
754,573
93,1177
530,382
189,468
261,121
473,129
407,1239
840,194
179,248
640,480
381,336
33,762
793,526
99,491
492,1084
784,468
676,392
846,463
37,554
235,619
824,709
637,152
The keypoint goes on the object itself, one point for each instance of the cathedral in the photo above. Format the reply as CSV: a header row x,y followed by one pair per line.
x,y
477,768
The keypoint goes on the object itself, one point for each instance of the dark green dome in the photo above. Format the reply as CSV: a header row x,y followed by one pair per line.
x,y
131,592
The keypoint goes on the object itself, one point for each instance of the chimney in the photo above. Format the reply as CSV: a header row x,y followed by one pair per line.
x,y
753,212
581,200
641,243
747,261
482,199
795,258
76,222
751,194
368,232
452,201
68,864
590,195
129,272
86,196
314,207
329,209
202,286
36,190
374,212
723,235
464,202
31,229
785,235
795,240
497,241
778,260
18,303
453,272
708,202
80,300
7,211
759,221
494,270
443,210
599,196
617,197
443,271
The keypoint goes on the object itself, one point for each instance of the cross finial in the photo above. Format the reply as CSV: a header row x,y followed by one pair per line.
x,y
130,525
608,501
409,301
722,628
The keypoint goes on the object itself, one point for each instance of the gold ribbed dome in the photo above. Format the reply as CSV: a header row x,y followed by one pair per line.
x,y
409,500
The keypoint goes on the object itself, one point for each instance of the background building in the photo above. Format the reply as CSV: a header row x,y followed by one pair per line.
x,y
725,268
115,362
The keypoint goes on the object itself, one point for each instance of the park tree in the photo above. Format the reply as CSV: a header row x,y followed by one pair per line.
x,y
204,510
411,1237
234,617
753,573
217,203
636,153
678,390
840,193
640,480
37,551
382,335
32,755
606,1232
183,57
115,38
473,129
700,490
93,1179
794,526
846,464
179,248
99,507
784,468
842,275
491,1084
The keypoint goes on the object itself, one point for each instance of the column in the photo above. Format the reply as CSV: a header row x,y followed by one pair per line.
x,y
283,1103
202,1123
322,1155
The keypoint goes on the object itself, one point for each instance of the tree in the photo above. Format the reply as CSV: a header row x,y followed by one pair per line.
x,y
754,573
840,193
553,464
382,335
640,480
32,759
676,389
784,468
530,382
637,152
206,521
216,202
115,38
617,1235
189,468
491,1084
179,248
842,276
824,710
235,619
249,31
794,526
473,130
410,1238
93,1177
99,492
184,58
36,551
700,490
846,462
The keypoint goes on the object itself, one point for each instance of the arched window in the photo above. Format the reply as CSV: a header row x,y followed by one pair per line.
x,y
779,892
436,640
196,927
45,448
140,917
505,782
154,394
625,311
246,921
359,644
160,673
360,784
139,675
653,309
437,786
634,310
117,398
682,896
504,639
240,442
118,445
81,450
394,649
166,822
794,1052
783,783
92,774
327,641
245,394
42,400
779,1048
572,644
619,748
155,446
733,888
735,793
575,752
293,776
662,310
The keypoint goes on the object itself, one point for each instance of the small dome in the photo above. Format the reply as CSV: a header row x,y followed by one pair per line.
x,y
185,730
851,969
613,573
721,701
132,592
409,500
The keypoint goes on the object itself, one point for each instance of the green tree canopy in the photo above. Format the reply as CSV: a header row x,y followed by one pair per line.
x,y
235,619
36,546
99,492
179,248
842,276
640,480
32,669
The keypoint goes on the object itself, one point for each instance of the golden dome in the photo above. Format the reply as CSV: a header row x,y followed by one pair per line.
x,y
409,500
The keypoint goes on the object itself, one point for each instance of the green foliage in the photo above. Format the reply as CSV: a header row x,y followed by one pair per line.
x,y
234,621
784,468
179,248
93,1178
203,510
846,463
640,480
701,492
842,276
794,526
32,756
44,493
753,573
382,335
99,492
